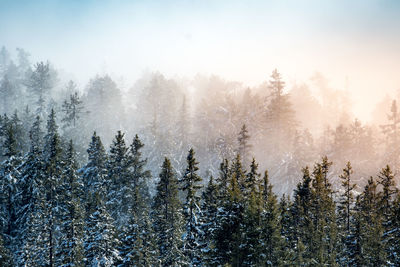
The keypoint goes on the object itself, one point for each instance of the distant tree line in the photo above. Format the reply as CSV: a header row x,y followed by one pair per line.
x,y
286,127
55,213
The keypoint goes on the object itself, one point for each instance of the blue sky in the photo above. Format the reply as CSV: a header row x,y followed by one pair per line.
x,y
239,40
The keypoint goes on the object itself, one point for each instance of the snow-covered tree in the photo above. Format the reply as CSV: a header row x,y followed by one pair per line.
x,y
166,217
191,209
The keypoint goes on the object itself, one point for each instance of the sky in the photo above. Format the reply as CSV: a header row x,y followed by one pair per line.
x,y
357,40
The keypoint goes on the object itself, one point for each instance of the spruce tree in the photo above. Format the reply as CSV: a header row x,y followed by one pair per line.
x,y
5,259
280,114
73,110
120,193
52,156
209,208
244,146
270,221
386,207
166,217
252,179
229,215
71,223
370,249
345,216
323,246
140,177
30,201
302,220
101,239
189,185
94,173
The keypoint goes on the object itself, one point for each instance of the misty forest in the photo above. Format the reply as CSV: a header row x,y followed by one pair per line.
x,y
192,172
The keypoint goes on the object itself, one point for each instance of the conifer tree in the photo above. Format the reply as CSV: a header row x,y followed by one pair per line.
x,y
345,216
229,215
271,235
39,83
5,259
286,230
280,114
71,223
302,219
139,176
101,239
94,172
323,246
73,110
189,184
391,130
8,173
394,250
244,146
52,156
209,210
239,174
386,207
166,216
252,178
118,184
369,249
30,200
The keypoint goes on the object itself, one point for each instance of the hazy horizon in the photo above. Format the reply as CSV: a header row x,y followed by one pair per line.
x,y
353,44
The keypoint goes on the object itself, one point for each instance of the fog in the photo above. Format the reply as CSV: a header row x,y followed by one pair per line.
x,y
191,74
355,45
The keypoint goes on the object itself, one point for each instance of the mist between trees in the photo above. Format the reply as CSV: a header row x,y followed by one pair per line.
x,y
168,209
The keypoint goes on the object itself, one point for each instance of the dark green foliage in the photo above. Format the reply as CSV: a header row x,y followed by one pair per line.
x,y
70,250
166,216
101,239
209,209
345,209
120,192
244,146
189,184
370,249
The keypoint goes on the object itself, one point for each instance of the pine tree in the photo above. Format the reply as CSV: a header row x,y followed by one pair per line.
x,y
120,193
10,141
30,201
386,207
271,229
237,171
370,250
94,172
70,250
9,172
302,219
209,210
391,130
229,216
101,239
244,146
166,217
139,175
52,156
73,110
394,250
251,230
5,259
286,230
280,114
323,246
39,83
345,216
191,210
252,178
